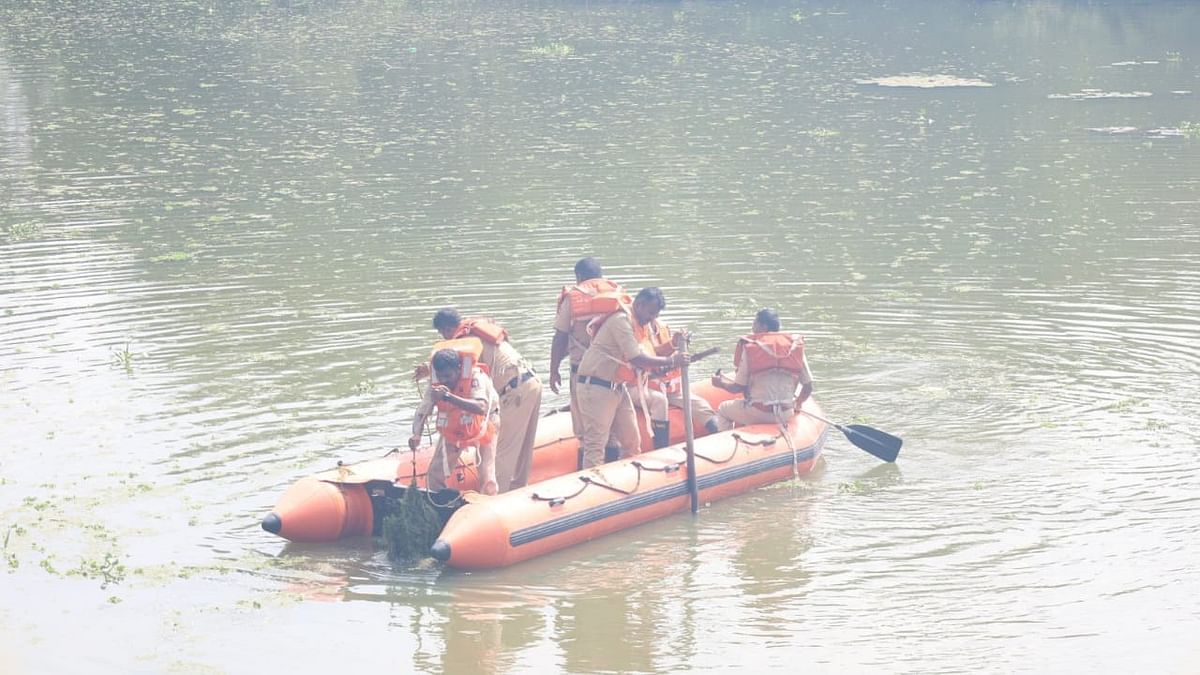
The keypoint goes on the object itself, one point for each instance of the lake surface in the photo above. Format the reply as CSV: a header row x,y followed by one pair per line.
x,y
225,226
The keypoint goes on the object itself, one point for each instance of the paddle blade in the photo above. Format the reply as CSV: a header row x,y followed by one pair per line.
x,y
879,443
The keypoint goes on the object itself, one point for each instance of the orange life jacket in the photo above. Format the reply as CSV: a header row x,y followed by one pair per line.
x,y
670,382
457,426
625,372
594,297
768,351
484,329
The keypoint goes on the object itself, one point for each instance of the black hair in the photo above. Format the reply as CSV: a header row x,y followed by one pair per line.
x,y
652,294
587,268
446,317
446,359
769,318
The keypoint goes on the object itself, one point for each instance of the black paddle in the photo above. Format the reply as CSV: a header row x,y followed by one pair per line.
x,y
879,443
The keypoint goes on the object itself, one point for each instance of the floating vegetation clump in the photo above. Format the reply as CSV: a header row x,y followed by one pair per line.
x,y
558,50
1093,94
173,256
123,358
411,526
22,231
920,81
1191,130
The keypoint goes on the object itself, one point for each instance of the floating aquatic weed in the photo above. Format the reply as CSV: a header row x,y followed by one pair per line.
x,y
853,487
1113,130
173,256
1190,130
920,81
1124,405
820,132
27,230
411,526
123,358
1092,94
110,570
557,50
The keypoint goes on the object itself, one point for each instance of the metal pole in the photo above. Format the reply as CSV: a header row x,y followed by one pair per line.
x,y
693,489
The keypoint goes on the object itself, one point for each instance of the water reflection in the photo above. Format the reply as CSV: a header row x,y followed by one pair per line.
x,y
223,227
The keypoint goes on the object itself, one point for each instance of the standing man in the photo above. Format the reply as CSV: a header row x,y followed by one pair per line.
x,y
664,390
520,392
607,369
770,366
468,412
591,296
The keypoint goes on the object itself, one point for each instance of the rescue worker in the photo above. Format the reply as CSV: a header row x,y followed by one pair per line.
x,y
591,296
618,347
468,412
519,389
770,366
665,389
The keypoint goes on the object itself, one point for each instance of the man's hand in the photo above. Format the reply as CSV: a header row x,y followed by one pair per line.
x,y
420,372
718,380
680,359
414,442
439,392
555,381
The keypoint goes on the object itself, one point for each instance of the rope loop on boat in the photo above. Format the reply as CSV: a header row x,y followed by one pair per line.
x,y
560,500
588,480
665,468
738,440
592,481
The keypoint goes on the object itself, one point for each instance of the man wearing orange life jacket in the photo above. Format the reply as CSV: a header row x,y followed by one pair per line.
x,y
519,388
468,412
665,390
606,371
591,296
770,365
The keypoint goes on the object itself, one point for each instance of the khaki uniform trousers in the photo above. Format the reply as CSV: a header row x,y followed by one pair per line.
x,y
435,478
740,412
607,413
658,402
576,423
519,409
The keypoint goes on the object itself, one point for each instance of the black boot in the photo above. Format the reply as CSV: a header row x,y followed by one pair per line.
x,y
711,425
611,453
661,430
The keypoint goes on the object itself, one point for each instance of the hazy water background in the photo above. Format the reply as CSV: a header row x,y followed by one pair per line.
x,y
224,227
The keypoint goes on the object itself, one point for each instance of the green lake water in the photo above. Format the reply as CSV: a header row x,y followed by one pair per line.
x,y
225,226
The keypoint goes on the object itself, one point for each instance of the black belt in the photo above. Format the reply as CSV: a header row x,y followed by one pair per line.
x,y
588,379
517,381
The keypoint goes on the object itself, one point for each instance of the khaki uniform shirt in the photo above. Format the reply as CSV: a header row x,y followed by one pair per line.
x,y
613,346
503,361
771,386
577,338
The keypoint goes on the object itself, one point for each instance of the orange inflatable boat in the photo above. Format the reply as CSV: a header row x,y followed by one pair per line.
x,y
560,506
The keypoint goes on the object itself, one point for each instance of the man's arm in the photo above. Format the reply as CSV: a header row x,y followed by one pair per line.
x,y
418,424
558,349
471,405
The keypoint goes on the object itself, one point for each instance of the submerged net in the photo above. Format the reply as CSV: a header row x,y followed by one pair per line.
x,y
410,526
